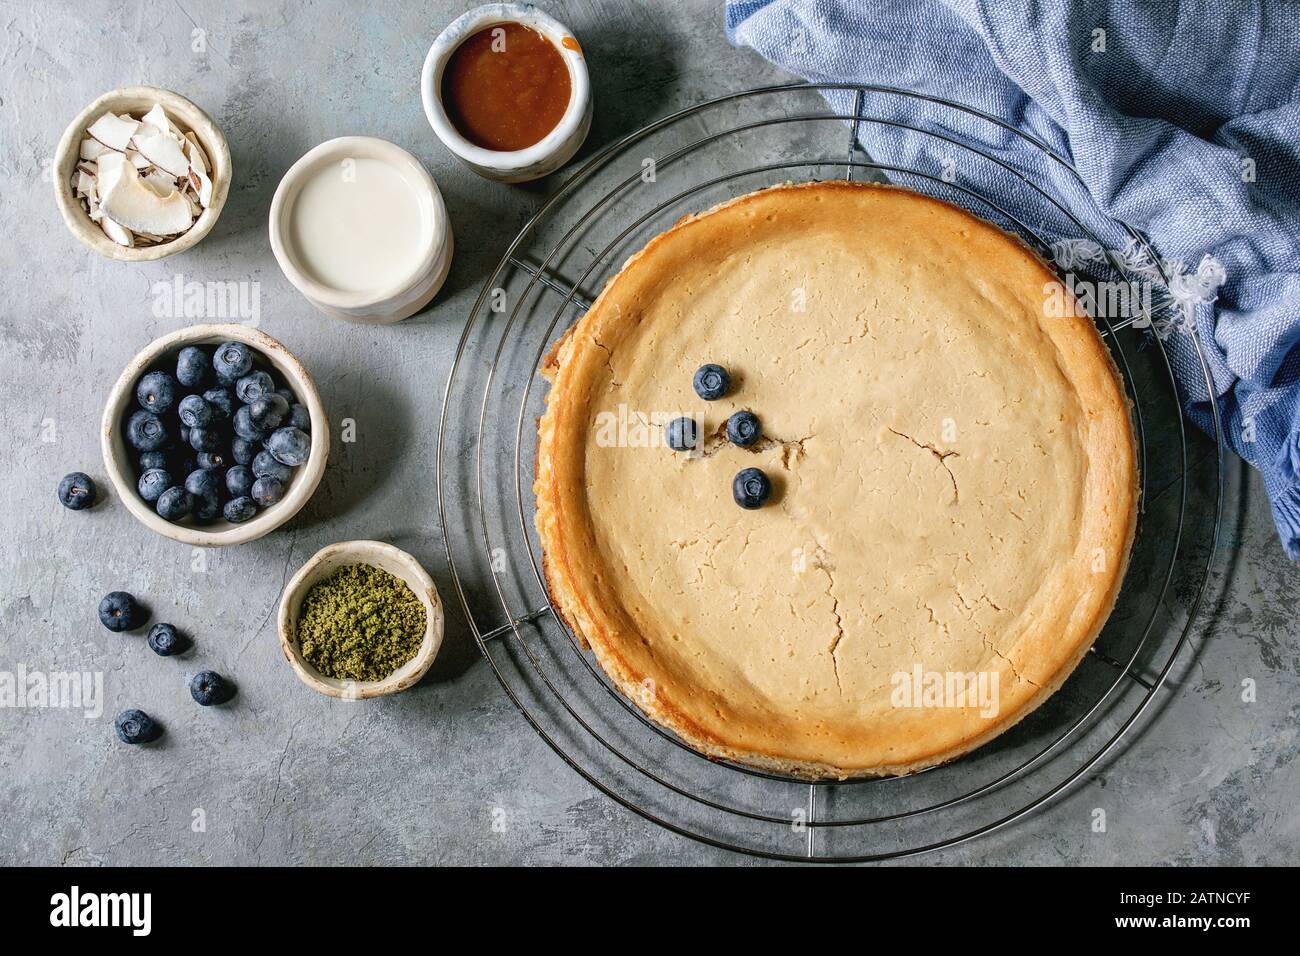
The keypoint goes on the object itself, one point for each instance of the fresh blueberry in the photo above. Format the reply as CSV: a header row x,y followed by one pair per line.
x,y
174,503
751,488
184,432
210,459
711,382
239,510
290,446
286,394
265,466
152,459
77,491
205,507
300,418
268,412
682,434
119,611
204,481
232,362
163,640
743,429
156,392
153,483
145,431
192,365
209,687
239,481
135,727
244,426
206,438
242,450
222,402
256,384
267,491
194,411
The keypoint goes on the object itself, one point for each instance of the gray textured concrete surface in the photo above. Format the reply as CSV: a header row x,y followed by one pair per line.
x,y
448,772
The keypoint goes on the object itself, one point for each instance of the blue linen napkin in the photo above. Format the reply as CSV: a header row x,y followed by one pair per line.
x,y
1183,120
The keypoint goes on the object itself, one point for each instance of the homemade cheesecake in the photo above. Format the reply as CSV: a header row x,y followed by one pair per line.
x,y
952,469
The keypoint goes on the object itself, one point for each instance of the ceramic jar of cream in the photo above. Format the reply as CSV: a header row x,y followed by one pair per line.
x,y
360,229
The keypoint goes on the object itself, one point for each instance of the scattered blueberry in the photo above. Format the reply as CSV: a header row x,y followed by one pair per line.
x,y
711,382
751,488
267,491
163,640
265,466
300,418
682,434
156,392
242,450
238,510
205,438
743,429
222,402
253,386
192,365
232,362
153,483
268,412
135,727
239,481
76,491
290,446
210,459
145,431
244,426
174,503
209,687
120,612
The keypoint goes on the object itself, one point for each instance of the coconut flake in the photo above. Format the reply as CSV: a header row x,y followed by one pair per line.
x,y
194,151
113,131
117,232
163,183
92,148
155,121
164,152
130,203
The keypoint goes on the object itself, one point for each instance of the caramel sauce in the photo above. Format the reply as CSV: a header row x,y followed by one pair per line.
x,y
505,87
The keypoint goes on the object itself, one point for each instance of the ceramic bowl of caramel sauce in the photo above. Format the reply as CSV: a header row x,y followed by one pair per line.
x,y
505,88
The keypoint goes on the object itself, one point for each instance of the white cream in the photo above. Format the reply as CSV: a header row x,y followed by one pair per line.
x,y
359,224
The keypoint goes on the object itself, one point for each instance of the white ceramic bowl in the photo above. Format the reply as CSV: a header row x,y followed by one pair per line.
x,y
118,459
397,563
389,305
544,156
137,100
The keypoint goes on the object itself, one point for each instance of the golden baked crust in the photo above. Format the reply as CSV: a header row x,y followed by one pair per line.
x,y
955,486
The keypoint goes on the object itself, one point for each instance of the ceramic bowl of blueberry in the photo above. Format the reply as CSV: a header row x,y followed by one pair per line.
x,y
215,435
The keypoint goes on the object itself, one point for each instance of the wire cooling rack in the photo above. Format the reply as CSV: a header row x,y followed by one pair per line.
x,y
638,187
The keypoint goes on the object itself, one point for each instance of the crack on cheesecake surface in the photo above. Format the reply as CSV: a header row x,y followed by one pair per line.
x,y
942,457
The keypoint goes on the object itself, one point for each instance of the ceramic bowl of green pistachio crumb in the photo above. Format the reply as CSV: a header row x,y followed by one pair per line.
x,y
360,619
